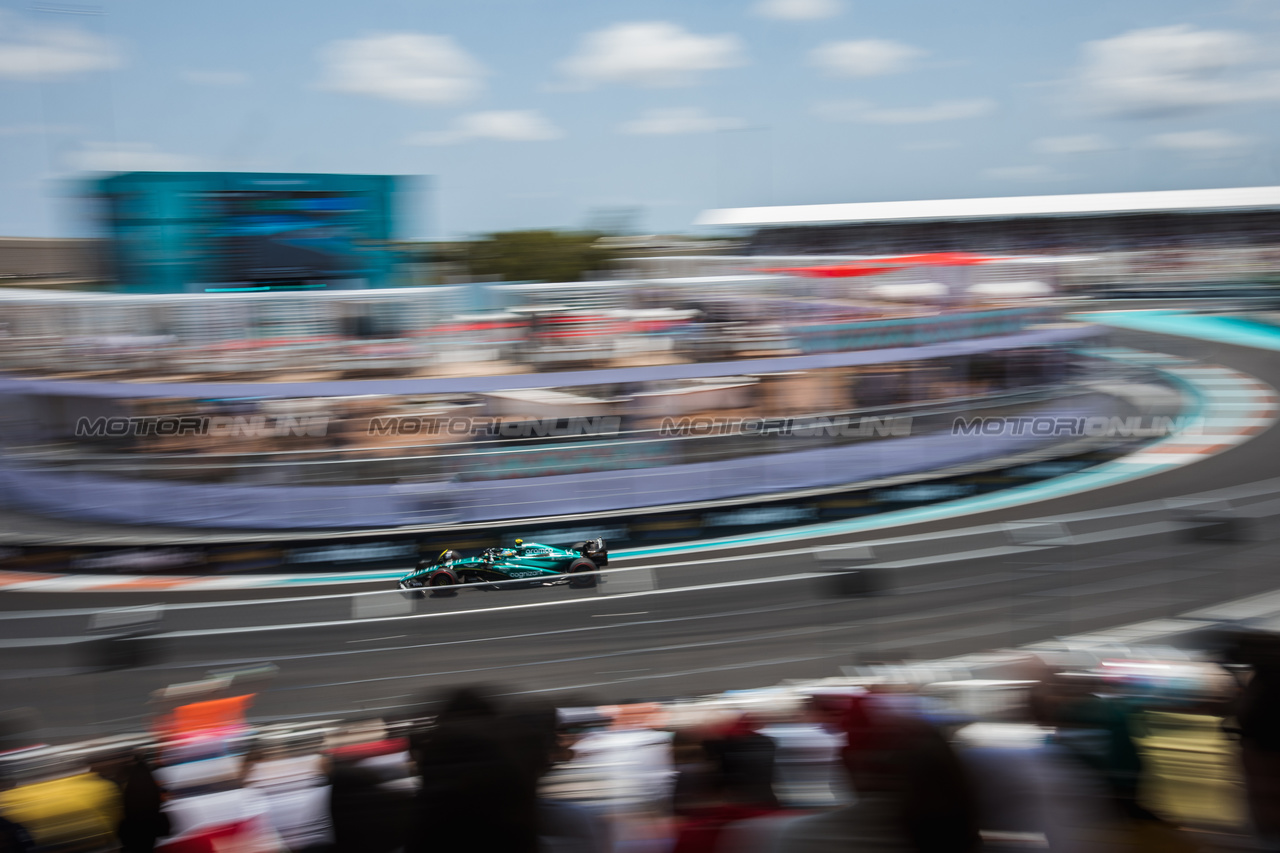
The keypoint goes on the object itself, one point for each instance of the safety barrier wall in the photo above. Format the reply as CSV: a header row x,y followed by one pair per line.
x,y
93,496
682,441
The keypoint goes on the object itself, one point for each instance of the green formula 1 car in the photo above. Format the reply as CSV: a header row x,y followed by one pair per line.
x,y
527,564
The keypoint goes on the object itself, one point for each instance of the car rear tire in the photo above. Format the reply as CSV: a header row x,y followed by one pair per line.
x,y
579,567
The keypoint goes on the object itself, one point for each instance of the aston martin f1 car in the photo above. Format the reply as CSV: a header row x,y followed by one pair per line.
x,y
526,564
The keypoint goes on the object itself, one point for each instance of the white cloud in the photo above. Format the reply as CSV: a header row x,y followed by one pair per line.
x,y
504,125
863,111
413,67
35,52
1172,70
864,57
216,78
1085,143
129,157
798,10
650,54
1020,173
1200,141
679,120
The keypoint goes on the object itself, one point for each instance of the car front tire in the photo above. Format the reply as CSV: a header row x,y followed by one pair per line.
x,y
442,583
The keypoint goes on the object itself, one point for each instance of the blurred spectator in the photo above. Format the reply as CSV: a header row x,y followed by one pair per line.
x,y
72,810
296,790
1099,770
230,819
738,785
563,827
617,765
912,792
1257,715
480,768
367,815
744,763
1030,795
691,788
808,773
14,838
1095,730
475,792
143,821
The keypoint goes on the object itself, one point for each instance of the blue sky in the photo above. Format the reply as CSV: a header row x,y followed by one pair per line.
x,y
533,113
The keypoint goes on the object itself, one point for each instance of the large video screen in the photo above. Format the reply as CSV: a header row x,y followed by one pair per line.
x,y
286,237
212,232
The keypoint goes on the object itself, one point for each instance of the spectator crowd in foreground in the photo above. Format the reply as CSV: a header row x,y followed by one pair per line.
x,y
1090,761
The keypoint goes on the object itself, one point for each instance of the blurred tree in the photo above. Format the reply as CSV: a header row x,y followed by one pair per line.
x,y
615,221
538,255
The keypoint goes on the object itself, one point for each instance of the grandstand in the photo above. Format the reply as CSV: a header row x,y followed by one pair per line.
x,y
1180,242
1084,222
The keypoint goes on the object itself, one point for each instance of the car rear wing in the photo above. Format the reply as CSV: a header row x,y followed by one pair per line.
x,y
595,550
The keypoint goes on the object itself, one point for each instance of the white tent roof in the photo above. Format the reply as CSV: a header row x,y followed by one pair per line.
x,y
1011,288
909,290
979,208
